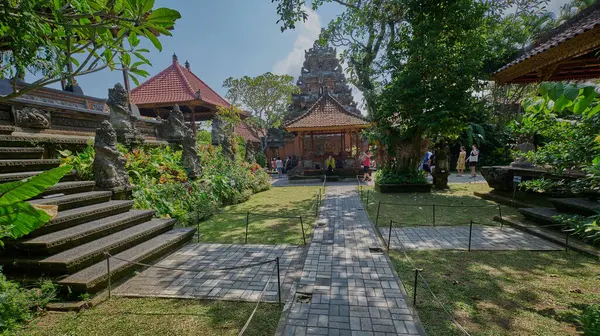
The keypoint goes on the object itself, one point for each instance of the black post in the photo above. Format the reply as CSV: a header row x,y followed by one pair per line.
x,y
433,214
108,273
198,232
278,282
368,199
567,243
247,223
470,231
390,235
417,270
501,221
377,218
302,226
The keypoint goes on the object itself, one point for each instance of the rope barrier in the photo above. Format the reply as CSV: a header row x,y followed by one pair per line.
x,y
256,306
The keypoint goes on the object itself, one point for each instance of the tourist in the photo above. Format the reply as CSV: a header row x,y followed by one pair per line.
x,y
426,163
279,165
367,166
473,159
273,166
462,158
330,164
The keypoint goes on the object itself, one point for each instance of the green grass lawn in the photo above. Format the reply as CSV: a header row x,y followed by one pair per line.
x,y
502,293
410,209
158,317
230,225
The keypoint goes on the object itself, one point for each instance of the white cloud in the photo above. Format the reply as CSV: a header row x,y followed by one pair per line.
x,y
307,34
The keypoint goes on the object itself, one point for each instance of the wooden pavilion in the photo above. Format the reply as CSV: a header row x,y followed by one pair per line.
x,y
569,52
327,128
177,85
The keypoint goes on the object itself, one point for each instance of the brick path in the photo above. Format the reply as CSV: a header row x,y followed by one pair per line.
x,y
354,291
244,284
457,238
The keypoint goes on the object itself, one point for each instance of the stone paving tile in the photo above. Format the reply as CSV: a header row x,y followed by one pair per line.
x,y
457,238
354,291
243,284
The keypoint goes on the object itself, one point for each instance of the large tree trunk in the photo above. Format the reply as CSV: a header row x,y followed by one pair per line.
x,y
442,168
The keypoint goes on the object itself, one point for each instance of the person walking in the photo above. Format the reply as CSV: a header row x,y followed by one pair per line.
x,y
460,163
279,165
287,164
473,159
367,166
330,164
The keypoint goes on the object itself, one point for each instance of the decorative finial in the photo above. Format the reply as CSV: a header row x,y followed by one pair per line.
x,y
174,58
187,65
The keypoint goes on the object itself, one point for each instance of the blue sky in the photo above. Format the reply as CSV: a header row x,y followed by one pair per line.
x,y
223,38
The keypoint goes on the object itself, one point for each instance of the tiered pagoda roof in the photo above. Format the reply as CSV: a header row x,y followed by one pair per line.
x,y
327,114
568,52
175,84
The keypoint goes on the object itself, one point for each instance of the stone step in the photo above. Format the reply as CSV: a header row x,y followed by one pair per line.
x,y
580,206
64,239
8,177
69,218
16,166
21,153
6,129
541,215
79,257
94,277
69,187
75,200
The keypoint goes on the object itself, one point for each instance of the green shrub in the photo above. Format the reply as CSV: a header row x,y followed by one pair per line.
x,y
385,176
81,161
590,320
19,305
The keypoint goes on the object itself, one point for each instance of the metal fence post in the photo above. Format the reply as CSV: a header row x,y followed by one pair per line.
x,y
278,282
368,199
470,232
303,235
567,243
198,232
108,273
247,223
377,218
433,214
417,270
390,235
317,205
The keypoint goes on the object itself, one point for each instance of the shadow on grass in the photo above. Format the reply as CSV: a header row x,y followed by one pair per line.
x,y
123,316
502,293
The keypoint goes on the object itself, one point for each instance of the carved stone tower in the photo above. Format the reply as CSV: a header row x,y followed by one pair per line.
x,y
321,72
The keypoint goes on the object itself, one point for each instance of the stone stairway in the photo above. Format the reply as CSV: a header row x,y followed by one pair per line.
x,y
578,206
70,248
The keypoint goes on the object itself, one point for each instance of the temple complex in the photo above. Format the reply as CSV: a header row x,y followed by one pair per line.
x,y
323,119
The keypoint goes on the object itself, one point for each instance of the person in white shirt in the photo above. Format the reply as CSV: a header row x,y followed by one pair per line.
x,y
473,159
279,165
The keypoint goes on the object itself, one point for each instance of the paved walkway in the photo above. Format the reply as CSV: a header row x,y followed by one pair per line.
x,y
457,238
243,284
354,291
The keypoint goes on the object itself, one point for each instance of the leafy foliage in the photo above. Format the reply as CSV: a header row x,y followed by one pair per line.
x,y
19,305
267,98
387,176
82,162
68,38
590,320
18,217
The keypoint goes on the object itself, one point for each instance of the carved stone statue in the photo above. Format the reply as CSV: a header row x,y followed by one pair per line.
x,y
109,165
173,128
520,161
221,136
31,117
190,158
121,118
249,155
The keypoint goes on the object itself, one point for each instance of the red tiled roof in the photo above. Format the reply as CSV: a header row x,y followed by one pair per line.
x,y
327,112
173,85
242,130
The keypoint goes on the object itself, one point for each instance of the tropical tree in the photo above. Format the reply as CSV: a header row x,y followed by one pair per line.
x,y
267,98
62,39
17,217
